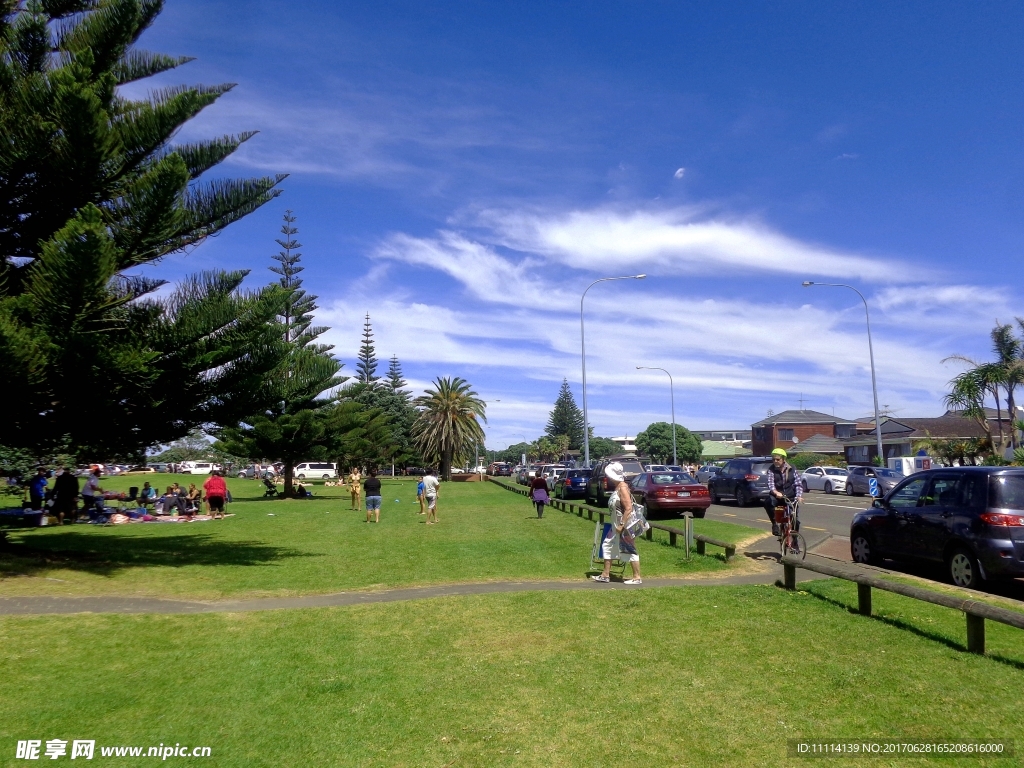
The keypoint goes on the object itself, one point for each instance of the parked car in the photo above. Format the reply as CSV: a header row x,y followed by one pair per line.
x,y
970,519
670,494
321,469
572,484
705,473
499,469
600,486
140,471
416,471
827,479
745,480
655,468
252,473
198,467
858,480
552,475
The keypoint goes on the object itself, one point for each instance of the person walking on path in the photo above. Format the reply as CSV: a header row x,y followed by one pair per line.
x,y
619,544
431,486
354,487
372,487
216,492
420,497
65,494
539,493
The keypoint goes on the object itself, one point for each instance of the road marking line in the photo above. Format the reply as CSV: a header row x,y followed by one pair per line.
x,y
809,528
728,514
837,506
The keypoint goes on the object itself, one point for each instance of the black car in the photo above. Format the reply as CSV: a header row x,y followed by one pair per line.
x,y
572,484
970,519
600,486
745,480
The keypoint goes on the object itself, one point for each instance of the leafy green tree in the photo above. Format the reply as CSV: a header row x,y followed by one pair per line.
x,y
193,447
448,425
566,418
656,442
91,188
600,447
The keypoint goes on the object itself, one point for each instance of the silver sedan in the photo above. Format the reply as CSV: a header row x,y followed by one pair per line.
x,y
827,479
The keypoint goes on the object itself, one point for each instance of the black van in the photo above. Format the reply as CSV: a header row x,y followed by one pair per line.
x,y
970,519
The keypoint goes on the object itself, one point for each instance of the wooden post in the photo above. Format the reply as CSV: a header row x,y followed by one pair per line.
x,y
672,538
601,515
730,553
789,576
975,634
650,534
700,546
864,599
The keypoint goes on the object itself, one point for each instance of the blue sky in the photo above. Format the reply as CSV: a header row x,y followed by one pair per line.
x,y
462,171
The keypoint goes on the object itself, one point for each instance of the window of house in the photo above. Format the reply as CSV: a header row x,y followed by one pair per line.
x,y
786,434
844,430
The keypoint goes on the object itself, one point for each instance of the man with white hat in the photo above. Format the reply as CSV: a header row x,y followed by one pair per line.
x,y
619,544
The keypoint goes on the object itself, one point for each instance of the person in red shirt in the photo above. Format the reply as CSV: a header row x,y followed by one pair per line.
x,y
216,491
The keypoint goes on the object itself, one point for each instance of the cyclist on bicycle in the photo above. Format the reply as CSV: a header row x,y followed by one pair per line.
x,y
783,484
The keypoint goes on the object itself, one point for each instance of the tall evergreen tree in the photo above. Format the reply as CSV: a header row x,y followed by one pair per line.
x,y
395,380
297,314
91,186
304,420
566,418
367,365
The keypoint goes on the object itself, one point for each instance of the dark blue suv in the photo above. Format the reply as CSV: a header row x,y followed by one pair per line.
x,y
971,519
572,485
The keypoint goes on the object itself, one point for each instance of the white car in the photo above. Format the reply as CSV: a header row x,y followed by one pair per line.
x,y
321,469
198,467
827,479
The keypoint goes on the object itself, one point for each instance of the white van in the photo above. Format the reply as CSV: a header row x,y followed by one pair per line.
x,y
319,469
197,467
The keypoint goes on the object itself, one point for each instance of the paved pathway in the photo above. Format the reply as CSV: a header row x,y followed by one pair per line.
x,y
764,550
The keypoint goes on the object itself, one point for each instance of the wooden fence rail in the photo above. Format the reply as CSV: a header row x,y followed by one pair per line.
x,y
580,509
975,612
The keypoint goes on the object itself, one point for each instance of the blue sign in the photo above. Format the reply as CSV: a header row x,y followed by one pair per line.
x,y
873,486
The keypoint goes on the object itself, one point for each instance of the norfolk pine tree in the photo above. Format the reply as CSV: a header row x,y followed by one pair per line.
x,y
91,188
566,418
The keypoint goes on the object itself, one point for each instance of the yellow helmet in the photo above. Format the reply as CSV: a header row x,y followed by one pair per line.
x,y
780,452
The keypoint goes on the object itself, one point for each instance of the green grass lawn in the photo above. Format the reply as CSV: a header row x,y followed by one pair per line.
x,y
653,677
284,547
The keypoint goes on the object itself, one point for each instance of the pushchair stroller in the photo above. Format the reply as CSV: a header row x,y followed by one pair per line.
x,y
271,488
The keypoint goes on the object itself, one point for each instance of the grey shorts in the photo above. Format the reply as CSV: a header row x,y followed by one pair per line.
x,y
372,503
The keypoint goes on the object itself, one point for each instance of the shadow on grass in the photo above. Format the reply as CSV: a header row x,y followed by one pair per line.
x,y
907,626
105,556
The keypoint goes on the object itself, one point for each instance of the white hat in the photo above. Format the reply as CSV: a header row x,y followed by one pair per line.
x,y
614,471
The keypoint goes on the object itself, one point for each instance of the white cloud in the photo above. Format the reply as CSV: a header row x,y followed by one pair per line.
x,y
679,240
680,172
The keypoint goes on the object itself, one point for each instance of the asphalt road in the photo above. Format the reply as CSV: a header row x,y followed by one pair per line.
x,y
821,514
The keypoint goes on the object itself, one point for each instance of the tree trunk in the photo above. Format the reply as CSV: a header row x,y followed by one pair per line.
x,y
446,465
288,474
999,423
1010,416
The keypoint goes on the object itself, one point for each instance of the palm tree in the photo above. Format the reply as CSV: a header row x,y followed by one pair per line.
x,y
449,423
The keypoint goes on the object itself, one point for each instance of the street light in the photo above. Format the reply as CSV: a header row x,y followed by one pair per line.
x,y
583,354
671,390
871,355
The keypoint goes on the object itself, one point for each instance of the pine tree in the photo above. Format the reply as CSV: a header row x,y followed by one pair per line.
x,y
303,422
395,380
367,365
566,418
297,315
91,186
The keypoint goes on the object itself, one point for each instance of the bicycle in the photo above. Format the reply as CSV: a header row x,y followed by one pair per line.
x,y
790,539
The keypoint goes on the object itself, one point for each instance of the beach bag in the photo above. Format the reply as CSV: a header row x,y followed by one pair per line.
x,y
637,525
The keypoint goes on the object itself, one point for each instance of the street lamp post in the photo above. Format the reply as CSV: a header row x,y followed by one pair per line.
x,y
871,356
672,393
583,354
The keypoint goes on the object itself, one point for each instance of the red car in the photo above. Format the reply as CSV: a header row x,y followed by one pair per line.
x,y
670,494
